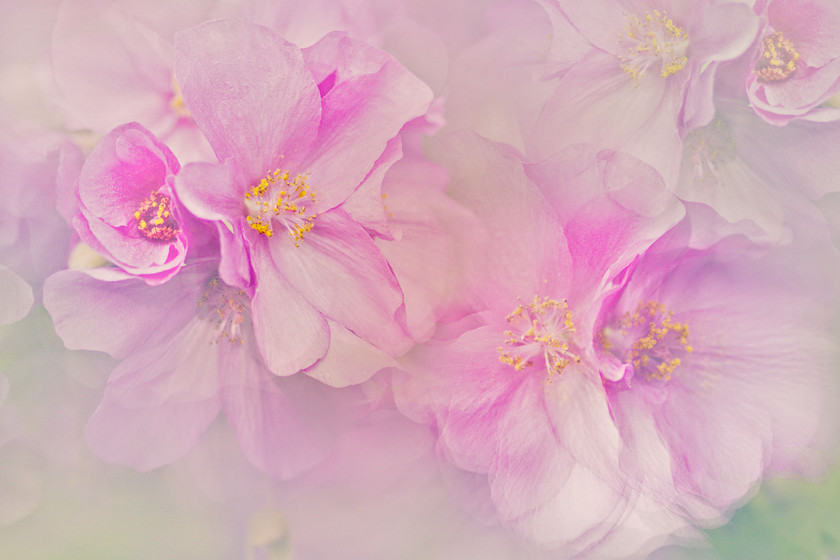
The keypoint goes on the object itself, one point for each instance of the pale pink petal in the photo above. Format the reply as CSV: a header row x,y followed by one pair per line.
x,y
525,246
78,302
159,400
284,426
249,91
349,361
339,270
367,205
722,32
111,68
17,296
290,333
210,192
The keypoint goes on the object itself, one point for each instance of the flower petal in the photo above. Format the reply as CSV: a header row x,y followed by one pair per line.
x,y
373,97
341,272
249,92
290,333
17,296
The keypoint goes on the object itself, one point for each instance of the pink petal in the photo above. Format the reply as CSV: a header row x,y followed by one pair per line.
x,y
724,32
249,91
111,68
526,250
290,333
284,426
17,296
373,97
349,361
339,270
159,401
115,316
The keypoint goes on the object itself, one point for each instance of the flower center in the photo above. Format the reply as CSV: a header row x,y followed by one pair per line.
x,y
228,308
778,60
542,328
652,40
282,198
659,344
154,218
707,149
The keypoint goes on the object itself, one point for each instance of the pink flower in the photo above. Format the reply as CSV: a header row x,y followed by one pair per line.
x,y
729,374
517,397
763,179
187,352
113,64
128,210
796,62
37,171
647,78
296,133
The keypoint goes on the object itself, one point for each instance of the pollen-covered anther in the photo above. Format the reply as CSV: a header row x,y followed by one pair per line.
x,y
154,218
778,59
543,329
661,343
283,198
651,40
226,307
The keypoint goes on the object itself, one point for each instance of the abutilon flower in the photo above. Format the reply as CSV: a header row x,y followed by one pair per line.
x,y
796,61
296,133
187,351
128,209
647,78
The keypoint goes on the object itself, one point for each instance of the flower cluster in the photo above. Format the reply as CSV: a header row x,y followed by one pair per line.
x,y
579,260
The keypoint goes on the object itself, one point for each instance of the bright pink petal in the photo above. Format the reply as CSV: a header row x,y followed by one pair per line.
x,y
126,165
373,97
612,205
250,93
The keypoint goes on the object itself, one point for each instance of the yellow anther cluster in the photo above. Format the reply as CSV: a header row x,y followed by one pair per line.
x,y
652,38
226,307
652,354
154,218
281,196
541,327
778,60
